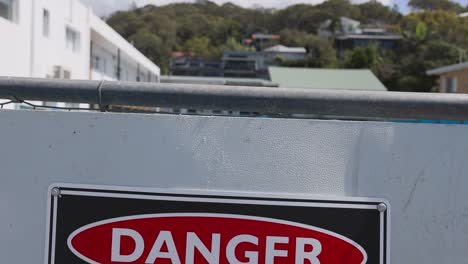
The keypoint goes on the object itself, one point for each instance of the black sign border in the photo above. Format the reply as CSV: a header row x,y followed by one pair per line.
x,y
57,190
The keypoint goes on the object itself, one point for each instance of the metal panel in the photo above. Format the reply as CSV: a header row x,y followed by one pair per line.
x,y
420,168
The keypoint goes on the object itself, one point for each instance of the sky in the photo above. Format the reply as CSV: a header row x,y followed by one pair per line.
x,y
105,7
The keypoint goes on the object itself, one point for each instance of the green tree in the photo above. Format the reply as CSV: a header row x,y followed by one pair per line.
x,y
373,12
293,37
432,37
201,47
425,56
357,59
420,31
126,23
163,26
153,47
233,44
321,53
363,58
431,5
336,26
340,8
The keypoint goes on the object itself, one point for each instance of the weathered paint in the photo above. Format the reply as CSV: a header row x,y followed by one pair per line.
x,y
420,168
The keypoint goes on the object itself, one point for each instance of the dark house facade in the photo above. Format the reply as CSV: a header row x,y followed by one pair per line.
x,y
241,64
187,65
384,40
246,64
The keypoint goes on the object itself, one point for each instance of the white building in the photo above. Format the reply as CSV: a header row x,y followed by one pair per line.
x,y
65,39
286,53
343,25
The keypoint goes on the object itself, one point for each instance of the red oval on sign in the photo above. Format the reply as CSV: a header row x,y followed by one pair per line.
x,y
210,238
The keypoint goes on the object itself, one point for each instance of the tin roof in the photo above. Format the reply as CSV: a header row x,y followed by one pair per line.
x,y
448,68
284,49
370,36
340,79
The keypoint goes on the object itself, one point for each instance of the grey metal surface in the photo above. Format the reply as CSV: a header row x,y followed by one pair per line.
x,y
420,168
319,103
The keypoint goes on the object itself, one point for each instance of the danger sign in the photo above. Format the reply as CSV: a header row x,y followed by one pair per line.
x,y
95,224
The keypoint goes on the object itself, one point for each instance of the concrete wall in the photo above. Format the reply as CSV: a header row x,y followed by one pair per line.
x,y
420,168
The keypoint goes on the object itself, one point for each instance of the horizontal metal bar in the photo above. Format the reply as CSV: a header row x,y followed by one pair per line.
x,y
322,103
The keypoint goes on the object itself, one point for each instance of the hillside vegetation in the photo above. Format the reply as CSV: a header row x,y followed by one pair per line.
x,y
433,36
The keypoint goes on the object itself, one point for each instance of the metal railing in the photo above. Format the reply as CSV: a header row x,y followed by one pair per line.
x,y
283,101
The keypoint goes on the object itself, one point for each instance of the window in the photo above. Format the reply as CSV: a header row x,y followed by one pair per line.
x,y
451,84
95,62
116,71
72,40
104,65
61,73
8,9
57,72
45,23
66,74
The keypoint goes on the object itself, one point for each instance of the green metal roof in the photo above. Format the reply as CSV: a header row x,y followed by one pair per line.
x,y
340,79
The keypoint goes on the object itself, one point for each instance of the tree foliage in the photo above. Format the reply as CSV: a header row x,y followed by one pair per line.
x,y
432,37
363,58
233,44
201,47
431,5
373,12
177,23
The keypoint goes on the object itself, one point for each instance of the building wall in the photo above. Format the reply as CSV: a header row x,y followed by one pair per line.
x,y
462,81
285,56
107,42
51,51
104,61
28,52
15,41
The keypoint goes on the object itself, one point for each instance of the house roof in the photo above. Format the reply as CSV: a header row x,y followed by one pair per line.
x,y
448,68
264,36
374,30
343,21
369,36
340,79
176,54
284,49
217,81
